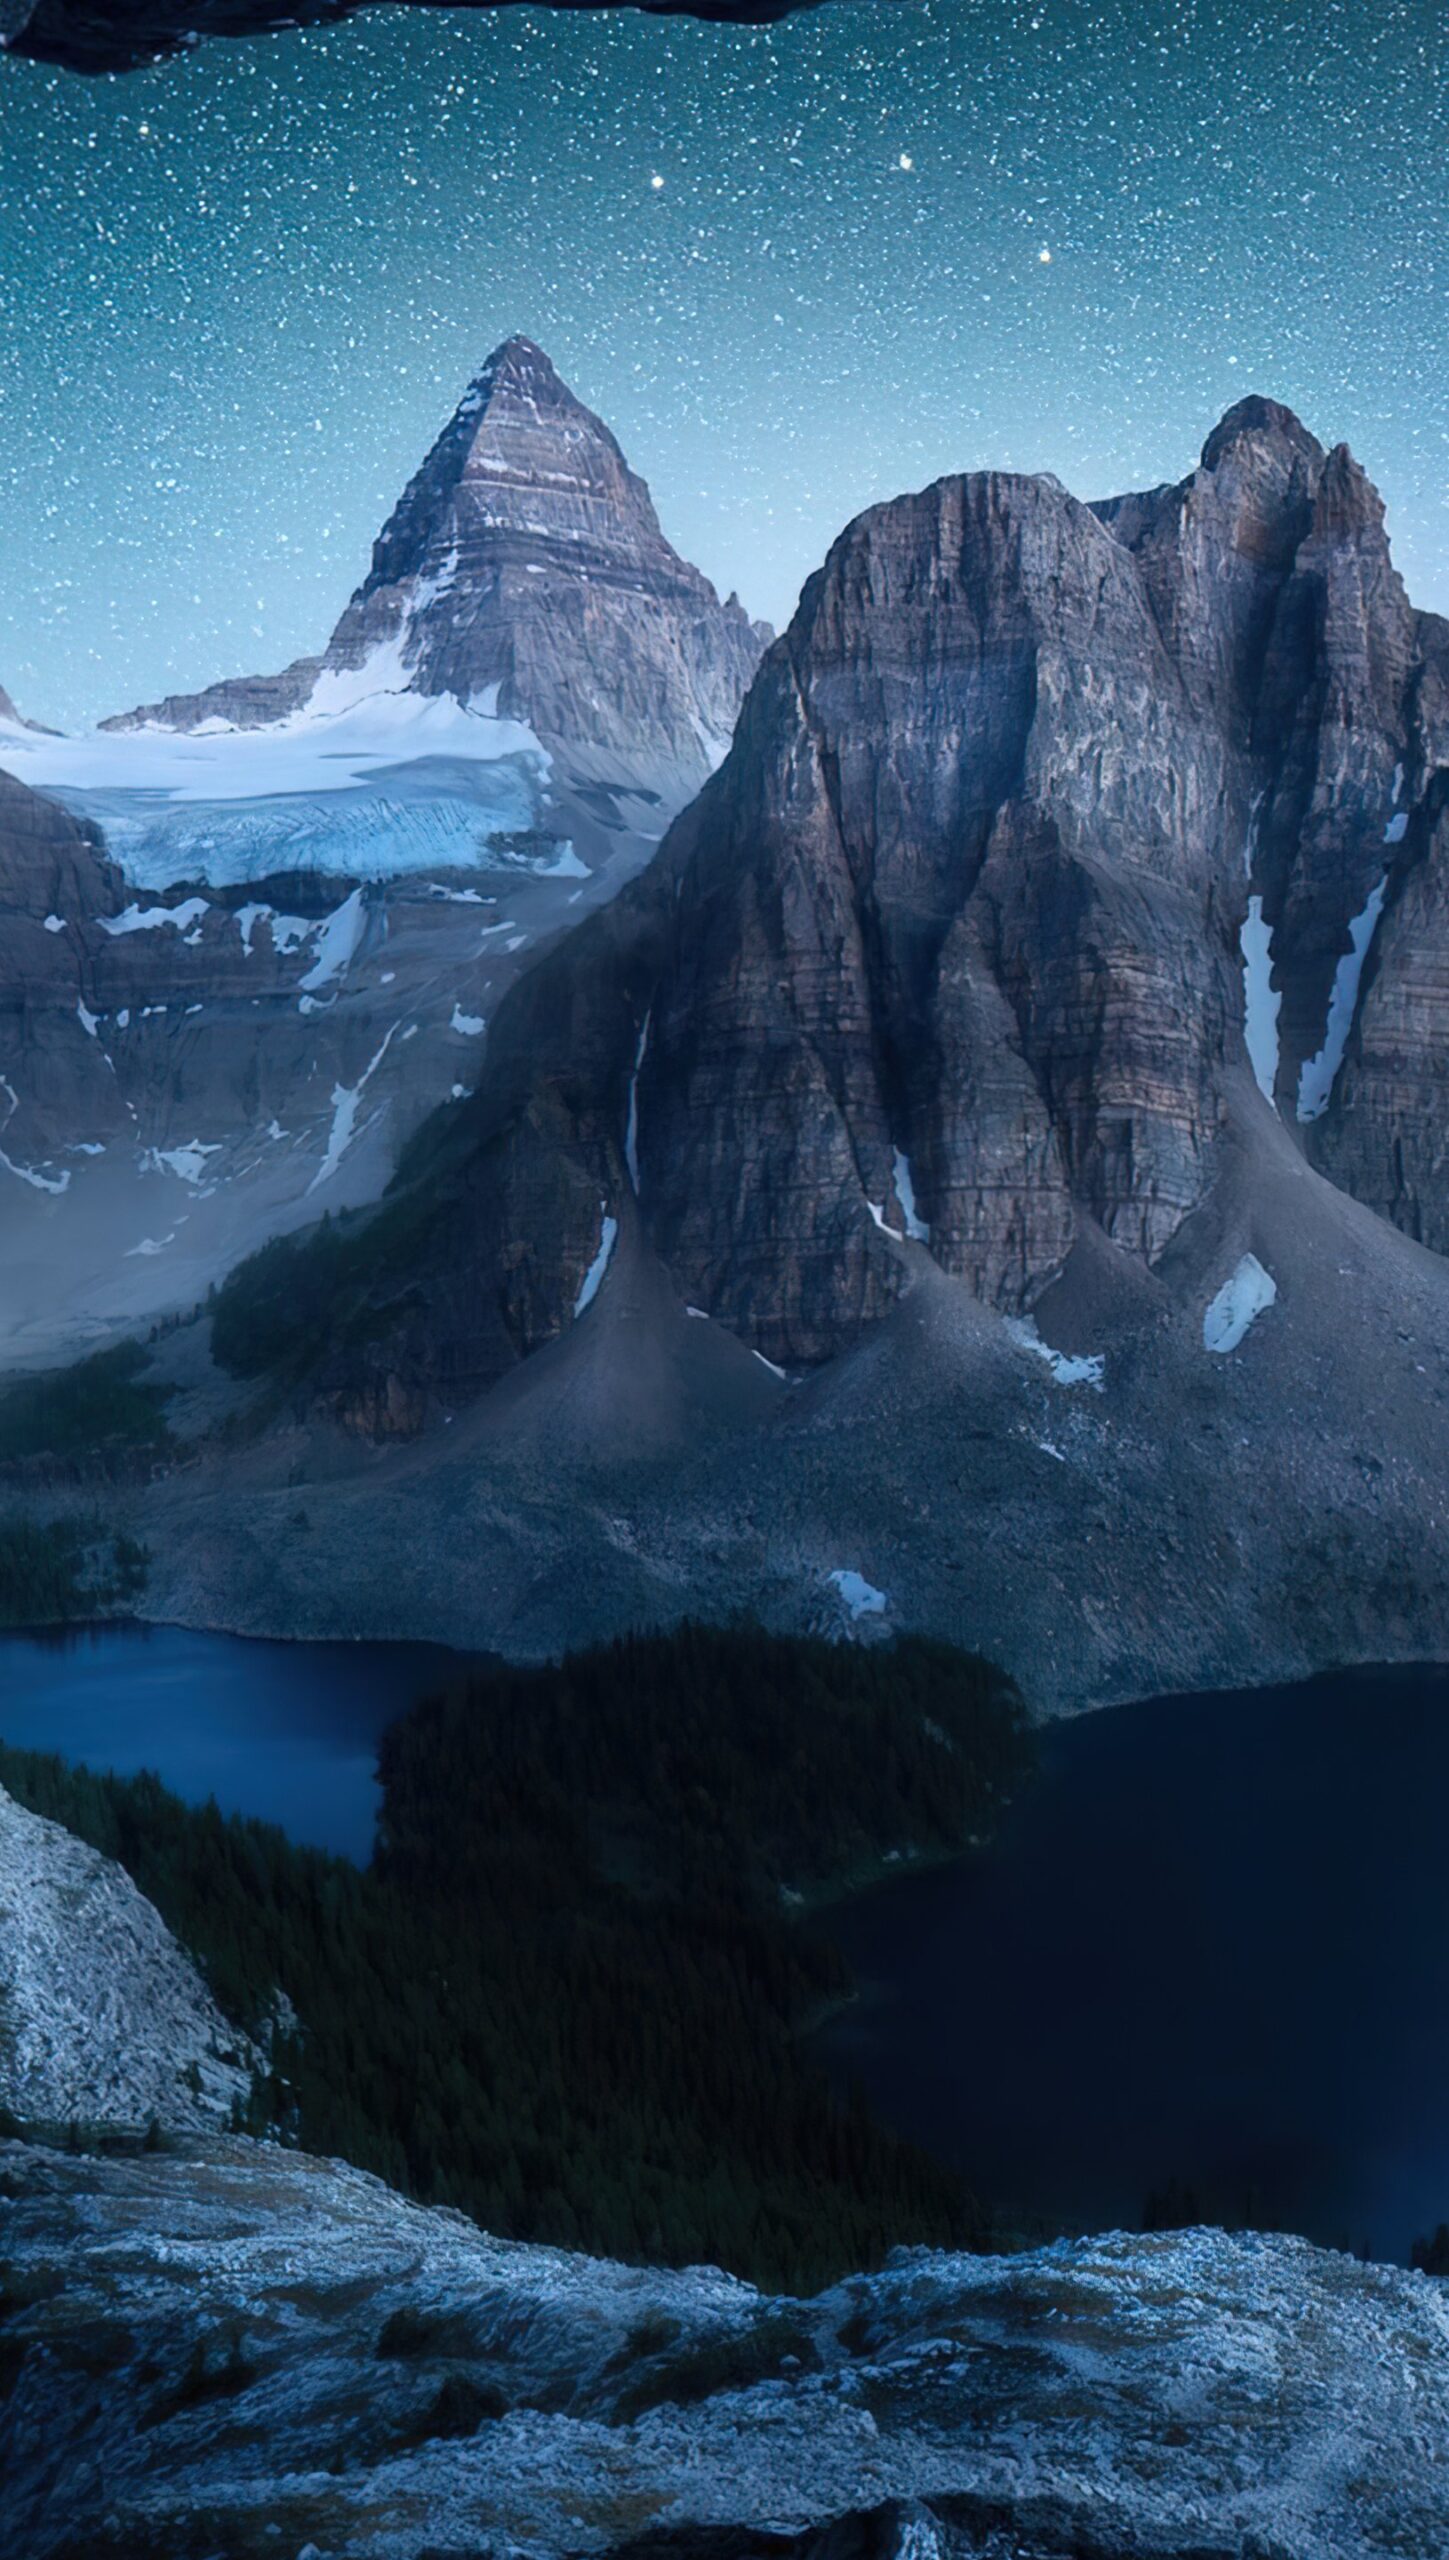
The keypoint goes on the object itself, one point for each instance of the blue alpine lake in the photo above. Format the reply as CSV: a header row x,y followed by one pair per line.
x,y
288,1732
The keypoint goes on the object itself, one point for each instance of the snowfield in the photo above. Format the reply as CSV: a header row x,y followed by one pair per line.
x,y
369,779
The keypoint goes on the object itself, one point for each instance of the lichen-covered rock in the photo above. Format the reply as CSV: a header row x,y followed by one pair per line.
x,y
292,2358
103,2021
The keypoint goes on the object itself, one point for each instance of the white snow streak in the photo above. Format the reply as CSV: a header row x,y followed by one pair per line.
x,y
1316,1076
55,1183
592,1280
905,1190
346,1100
631,1127
337,942
1262,1003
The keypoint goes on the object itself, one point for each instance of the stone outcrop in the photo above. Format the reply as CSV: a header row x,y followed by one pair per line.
x,y
949,957
121,35
104,2023
240,2347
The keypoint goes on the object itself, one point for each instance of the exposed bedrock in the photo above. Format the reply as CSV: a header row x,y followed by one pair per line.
x,y
234,2348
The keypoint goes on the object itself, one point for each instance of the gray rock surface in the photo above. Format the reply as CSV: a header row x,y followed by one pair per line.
x,y
524,563
103,2020
242,2350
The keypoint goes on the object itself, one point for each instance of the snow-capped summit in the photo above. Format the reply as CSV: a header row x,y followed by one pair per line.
x,y
523,574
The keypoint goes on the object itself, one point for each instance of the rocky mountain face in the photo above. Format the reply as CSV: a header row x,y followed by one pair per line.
x,y
121,35
1049,843
103,2021
973,1181
268,935
242,2347
524,567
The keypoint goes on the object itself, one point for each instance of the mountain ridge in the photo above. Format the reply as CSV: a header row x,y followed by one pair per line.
x,y
914,1183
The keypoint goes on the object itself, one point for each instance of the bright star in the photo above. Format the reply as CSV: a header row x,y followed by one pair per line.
x,y
656,183
1043,257
905,161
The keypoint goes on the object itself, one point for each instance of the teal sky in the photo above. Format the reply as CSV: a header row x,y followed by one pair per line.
x,y
796,271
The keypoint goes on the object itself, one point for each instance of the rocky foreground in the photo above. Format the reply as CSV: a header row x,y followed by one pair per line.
x,y
236,2350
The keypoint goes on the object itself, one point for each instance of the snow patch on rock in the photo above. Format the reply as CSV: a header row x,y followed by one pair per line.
x,y
858,1598
1238,1304
593,1278
1262,1002
1069,1368
1316,1076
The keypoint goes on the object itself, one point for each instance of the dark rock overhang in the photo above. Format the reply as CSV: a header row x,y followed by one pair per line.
x,y
121,35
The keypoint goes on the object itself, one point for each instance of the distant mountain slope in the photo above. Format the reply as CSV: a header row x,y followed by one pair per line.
x,y
1050,851
320,883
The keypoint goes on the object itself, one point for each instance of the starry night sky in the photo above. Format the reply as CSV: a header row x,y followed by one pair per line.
x,y
796,271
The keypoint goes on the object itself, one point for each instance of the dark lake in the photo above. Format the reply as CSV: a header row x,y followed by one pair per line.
x,y
285,1731
1210,1946
1208,1951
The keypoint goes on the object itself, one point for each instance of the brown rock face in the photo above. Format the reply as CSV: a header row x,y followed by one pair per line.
x,y
947,956
524,566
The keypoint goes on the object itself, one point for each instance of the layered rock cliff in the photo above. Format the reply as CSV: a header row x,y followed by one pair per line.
x,y
1031,874
524,569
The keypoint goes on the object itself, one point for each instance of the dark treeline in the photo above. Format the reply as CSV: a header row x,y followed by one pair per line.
x,y
567,1996
57,1571
99,1403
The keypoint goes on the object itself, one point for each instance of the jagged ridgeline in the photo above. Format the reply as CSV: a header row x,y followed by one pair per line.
x,y
568,1994
1031,904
